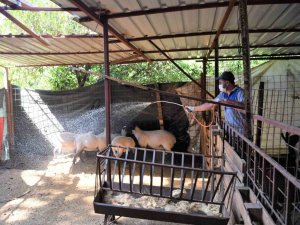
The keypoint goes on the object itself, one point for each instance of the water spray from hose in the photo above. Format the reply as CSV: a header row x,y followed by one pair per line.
x,y
189,112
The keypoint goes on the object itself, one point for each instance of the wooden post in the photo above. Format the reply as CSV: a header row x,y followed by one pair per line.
x,y
246,66
259,112
159,108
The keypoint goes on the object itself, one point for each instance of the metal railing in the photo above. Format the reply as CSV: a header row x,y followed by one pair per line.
x,y
276,188
160,173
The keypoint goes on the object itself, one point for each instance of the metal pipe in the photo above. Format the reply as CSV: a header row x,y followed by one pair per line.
x,y
162,174
172,176
84,8
194,186
203,83
207,33
231,4
147,51
193,7
260,106
25,28
283,126
216,66
126,59
291,192
49,9
246,65
221,58
217,75
107,92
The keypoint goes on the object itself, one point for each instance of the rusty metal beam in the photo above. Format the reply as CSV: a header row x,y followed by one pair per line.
x,y
260,107
16,4
189,7
246,66
231,58
129,58
178,67
222,25
62,36
203,83
50,9
160,37
148,51
207,33
216,67
84,8
221,58
107,88
226,47
21,25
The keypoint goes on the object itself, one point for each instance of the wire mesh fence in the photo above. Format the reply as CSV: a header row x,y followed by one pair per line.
x,y
275,97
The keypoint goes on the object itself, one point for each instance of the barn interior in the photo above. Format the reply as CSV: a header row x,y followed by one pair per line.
x,y
264,158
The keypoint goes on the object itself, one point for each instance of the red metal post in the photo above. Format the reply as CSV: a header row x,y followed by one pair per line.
x,y
246,65
260,112
216,67
107,90
216,75
203,83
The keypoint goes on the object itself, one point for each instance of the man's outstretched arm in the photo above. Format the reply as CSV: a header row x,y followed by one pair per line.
x,y
202,107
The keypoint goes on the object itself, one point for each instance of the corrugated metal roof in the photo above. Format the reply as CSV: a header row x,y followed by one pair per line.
x,y
265,17
63,50
268,16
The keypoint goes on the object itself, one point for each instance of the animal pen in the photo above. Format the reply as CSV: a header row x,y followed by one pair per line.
x,y
145,175
211,164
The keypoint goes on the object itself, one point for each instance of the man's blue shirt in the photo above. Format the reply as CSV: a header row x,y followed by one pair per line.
x,y
232,116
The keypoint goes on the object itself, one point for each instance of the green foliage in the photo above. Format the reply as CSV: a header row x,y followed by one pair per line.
x,y
53,23
63,78
144,73
33,77
235,66
155,72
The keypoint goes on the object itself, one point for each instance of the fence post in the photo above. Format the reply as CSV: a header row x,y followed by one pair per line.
x,y
246,66
260,112
9,110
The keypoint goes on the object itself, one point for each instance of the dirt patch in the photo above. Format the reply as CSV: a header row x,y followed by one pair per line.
x,y
53,195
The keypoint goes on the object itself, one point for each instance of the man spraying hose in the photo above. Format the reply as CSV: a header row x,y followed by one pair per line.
x,y
230,94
